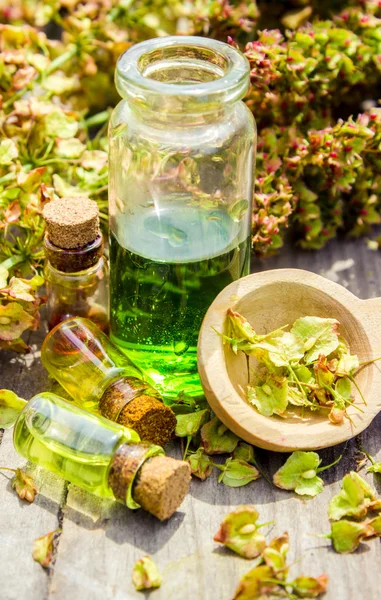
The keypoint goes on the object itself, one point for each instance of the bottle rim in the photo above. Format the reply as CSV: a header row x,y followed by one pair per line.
x,y
227,68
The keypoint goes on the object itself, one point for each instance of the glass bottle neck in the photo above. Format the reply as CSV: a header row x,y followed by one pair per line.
x,y
74,260
182,79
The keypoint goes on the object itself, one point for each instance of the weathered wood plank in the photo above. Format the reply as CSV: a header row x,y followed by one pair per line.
x,y
21,523
100,540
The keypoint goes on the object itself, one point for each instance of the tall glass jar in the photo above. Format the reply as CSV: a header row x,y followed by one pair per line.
x,y
182,151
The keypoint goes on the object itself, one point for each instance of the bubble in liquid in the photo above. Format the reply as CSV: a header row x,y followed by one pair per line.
x,y
180,347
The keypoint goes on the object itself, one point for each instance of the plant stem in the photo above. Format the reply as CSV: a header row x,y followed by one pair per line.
x,y
98,119
369,457
321,469
60,60
368,362
7,177
297,380
352,380
189,439
12,261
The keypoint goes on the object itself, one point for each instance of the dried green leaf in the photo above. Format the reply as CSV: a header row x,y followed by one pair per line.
x,y
236,473
239,532
24,486
352,501
94,159
282,350
271,397
347,535
8,151
258,584
245,452
275,555
24,289
10,407
347,365
201,464
13,321
145,574
319,336
43,548
3,277
217,439
239,329
69,148
343,387
191,423
375,468
60,125
309,587
299,473
59,84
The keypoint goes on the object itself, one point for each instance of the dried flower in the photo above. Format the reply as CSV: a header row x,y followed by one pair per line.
x,y
24,486
10,407
145,574
239,532
217,439
43,548
236,473
201,464
354,499
347,535
300,473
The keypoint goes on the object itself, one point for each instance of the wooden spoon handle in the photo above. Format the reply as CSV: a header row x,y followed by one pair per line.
x,y
370,317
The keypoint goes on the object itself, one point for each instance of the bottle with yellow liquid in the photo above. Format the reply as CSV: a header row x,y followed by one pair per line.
x,y
100,378
99,456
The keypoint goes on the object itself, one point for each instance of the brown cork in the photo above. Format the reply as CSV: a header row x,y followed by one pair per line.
x,y
124,466
151,419
71,222
133,403
161,485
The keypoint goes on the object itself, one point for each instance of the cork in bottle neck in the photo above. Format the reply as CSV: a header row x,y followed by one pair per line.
x,y
141,475
124,467
73,241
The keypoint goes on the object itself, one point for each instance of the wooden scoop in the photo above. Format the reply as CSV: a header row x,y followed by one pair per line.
x,y
270,300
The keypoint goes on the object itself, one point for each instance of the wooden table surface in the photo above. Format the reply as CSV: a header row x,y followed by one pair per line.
x,y
101,540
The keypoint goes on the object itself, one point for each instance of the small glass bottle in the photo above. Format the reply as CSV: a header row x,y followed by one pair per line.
x,y
181,166
100,377
76,271
101,457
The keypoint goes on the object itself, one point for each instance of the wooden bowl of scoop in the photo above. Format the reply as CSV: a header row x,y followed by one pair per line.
x,y
270,300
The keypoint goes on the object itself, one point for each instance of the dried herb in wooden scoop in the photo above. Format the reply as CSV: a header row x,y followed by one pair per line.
x,y
307,365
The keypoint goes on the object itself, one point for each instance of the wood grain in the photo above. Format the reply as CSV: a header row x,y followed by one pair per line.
x,y
101,540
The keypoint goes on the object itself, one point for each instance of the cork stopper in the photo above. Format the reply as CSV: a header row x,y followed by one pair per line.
x,y
161,485
158,483
126,462
71,222
133,403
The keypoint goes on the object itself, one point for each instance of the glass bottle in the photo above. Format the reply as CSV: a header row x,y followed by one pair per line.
x,y
101,457
76,270
101,378
181,166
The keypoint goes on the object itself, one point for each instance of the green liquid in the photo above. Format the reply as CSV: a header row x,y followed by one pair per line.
x,y
158,304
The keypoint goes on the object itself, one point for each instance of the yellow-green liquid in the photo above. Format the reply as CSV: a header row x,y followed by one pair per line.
x,y
69,442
